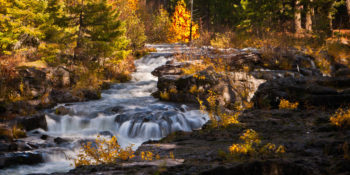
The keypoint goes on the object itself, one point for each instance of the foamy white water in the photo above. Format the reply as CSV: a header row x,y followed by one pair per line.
x,y
127,111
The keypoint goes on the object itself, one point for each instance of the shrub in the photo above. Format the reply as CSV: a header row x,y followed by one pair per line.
x,y
104,152
217,117
221,40
147,155
341,118
17,132
252,146
285,104
164,95
158,30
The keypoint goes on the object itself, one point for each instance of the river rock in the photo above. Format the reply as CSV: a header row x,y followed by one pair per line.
x,y
316,91
21,158
59,76
31,122
171,68
59,140
228,87
61,110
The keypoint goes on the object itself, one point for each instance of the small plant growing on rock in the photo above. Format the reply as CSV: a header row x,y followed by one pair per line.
x,y
341,118
285,104
147,155
217,117
252,146
104,152
164,95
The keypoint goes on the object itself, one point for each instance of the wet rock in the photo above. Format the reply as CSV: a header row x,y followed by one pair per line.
x,y
106,133
61,110
23,158
59,140
23,146
171,68
31,122
44,137
117,109
63,96
91,94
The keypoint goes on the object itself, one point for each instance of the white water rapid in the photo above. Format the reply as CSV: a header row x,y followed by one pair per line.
x,y
126,110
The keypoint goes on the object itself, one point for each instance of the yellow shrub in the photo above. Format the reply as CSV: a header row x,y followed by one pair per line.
x,y
164,95
105,152
252,146
341,118
250,136
227,119
222,40
285,104
171,155
17,132
147,155
216,116
173,90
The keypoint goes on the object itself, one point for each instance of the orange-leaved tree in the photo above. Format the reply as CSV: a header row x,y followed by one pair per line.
x,y
181,24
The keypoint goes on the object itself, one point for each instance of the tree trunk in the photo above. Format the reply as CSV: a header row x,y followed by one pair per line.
x,y
309,15
348,7
330,18
297,16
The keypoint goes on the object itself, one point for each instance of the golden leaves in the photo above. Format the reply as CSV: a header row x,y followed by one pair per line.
x,y
103,151
181,24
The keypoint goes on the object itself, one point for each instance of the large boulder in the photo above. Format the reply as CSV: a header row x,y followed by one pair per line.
x,y
169,69
308,91
30,122
33,81
228,88
59,76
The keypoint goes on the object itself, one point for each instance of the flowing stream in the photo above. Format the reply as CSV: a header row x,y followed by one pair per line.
x,y
126,110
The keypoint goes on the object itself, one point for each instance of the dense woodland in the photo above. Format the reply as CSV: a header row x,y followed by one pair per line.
x,y
273,77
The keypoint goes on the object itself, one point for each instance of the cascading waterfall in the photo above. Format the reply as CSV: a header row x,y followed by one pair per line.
x,y
127,111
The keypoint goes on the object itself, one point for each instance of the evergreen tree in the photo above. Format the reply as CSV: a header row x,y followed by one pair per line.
x,y
99,33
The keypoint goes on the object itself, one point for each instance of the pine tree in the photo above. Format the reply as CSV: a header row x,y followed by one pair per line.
x,y
22,21
99,33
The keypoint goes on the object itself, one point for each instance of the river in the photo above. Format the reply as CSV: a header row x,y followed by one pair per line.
x,y
126,110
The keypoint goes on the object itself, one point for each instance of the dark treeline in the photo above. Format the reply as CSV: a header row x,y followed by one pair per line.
x,y
280,15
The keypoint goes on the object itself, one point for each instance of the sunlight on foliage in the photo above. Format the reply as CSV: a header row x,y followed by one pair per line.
x,y
285,104
147,155
252,146
181,24
217,117
103,151
341,118
164,95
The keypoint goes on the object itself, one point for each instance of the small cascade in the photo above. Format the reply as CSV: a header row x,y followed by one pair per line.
x,y
127,111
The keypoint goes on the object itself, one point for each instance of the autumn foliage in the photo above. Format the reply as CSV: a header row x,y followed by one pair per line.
x,y
103,152
181,24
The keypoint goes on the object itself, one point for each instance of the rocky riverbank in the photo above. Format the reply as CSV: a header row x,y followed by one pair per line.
x,y
312,144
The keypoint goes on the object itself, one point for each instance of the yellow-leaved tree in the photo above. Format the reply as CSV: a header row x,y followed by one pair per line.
x,y
181,24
